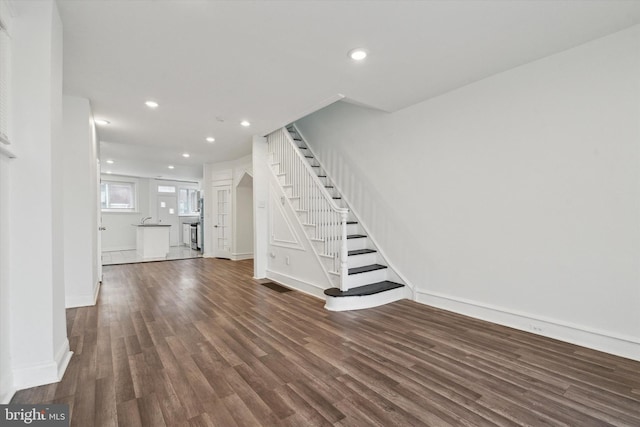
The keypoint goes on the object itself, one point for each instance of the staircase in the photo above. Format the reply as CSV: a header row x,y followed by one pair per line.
x,y
358,272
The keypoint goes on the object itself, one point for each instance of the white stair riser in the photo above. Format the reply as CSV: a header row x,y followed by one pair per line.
x,y
368,301
355,280
362,260
353,244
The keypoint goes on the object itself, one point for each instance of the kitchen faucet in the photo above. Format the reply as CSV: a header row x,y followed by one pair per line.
x,y
142,221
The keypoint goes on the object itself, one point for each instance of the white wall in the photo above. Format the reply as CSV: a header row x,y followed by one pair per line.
x,y
6,373
291,259
244,218
259,159
515,199
39,348
80,214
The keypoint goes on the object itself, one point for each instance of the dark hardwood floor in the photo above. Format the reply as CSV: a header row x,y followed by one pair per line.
x,y
199,343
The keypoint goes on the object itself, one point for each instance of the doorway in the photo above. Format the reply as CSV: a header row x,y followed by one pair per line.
x,y
168,214
243,247
222,221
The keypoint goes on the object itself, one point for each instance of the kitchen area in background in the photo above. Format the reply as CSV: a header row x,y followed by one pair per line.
x,y
167,213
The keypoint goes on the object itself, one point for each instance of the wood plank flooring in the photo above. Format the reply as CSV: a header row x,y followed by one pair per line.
x,y
199,343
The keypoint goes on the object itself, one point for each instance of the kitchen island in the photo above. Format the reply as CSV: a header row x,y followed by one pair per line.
x,y
152,240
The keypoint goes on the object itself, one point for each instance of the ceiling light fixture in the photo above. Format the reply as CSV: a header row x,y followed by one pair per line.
x,y
109,172
245,123
151,104
171,166
210,139
110,161
185,155
101,122
357,54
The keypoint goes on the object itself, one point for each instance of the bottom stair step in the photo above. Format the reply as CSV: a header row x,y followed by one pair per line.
x,y
374,288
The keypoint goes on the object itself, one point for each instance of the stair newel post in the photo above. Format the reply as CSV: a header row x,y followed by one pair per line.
x,y
344,253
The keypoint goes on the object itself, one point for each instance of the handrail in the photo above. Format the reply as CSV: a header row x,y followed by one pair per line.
x,y
319,183
329,220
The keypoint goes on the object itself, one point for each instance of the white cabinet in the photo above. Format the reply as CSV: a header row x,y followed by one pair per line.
x,y
186,234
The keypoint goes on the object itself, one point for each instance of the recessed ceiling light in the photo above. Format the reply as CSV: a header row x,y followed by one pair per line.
x,y
101,122
171,166
357,54
245,123
109,172
151,104
110,161
185,155
210,139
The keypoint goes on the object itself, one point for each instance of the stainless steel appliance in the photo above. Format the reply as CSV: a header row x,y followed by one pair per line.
x,y
195,236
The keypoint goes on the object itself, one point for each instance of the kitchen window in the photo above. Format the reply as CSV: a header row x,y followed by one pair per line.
x,y
166,189
118,196
188,202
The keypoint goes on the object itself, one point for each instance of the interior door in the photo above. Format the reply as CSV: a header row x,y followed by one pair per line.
x,y
222,221
168,214
101,228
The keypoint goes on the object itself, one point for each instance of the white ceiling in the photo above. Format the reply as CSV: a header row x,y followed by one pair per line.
x,y
271,62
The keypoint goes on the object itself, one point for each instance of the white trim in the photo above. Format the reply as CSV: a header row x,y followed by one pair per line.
x,y
83,300
607,342
273,240
297,284
241,256
6,398
43,373
6,383
118,248
366,301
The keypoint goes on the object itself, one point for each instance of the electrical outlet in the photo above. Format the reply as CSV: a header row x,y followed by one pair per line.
x,y
288,262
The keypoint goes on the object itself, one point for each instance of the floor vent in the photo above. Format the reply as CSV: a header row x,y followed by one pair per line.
x,y
276,287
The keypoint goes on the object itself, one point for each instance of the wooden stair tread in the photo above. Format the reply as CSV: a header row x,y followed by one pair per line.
x,y
355,236
366,269
361,252
371,289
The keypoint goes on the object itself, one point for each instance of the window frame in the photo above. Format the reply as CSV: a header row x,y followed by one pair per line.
x,y
134,196
192,210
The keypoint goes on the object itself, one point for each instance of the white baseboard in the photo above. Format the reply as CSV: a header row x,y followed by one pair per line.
x,y
82,300
623,346
119,248
299,285
6,384
241,256
43,373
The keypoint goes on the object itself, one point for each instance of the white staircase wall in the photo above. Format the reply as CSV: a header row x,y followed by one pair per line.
x,y
514,198
291,260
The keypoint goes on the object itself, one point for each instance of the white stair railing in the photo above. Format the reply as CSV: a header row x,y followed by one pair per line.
x,y
313,199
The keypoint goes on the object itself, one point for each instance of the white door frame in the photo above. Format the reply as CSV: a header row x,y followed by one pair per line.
x,y
217,227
